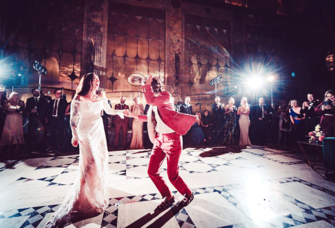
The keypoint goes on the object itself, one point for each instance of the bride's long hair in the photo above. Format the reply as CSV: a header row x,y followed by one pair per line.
x,y
85,84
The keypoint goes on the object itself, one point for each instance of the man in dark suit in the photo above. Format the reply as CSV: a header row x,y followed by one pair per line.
x,y
121,123
55,114
33,109
186,107
259,118
311,117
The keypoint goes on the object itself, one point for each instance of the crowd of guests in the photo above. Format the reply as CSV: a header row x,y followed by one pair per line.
x,y
261,123
42,124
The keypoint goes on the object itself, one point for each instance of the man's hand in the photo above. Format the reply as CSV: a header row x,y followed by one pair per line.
x,y
148,80
75,143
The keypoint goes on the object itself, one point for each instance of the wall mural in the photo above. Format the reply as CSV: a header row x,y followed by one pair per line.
x,y
50,32
207,46
135,45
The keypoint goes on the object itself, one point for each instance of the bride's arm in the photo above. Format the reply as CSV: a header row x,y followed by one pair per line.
x,y
74,119
111,111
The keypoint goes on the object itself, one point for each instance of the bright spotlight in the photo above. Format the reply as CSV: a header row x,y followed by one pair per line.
x,y
255,82
19,75
270,78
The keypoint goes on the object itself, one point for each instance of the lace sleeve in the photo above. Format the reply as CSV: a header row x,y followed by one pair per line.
x,y
74,119
111,111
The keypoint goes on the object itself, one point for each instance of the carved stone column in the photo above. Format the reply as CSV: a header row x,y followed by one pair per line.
x,y
174,50
95,34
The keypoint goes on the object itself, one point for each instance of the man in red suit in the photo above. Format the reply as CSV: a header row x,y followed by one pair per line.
x,y
165,130
121,123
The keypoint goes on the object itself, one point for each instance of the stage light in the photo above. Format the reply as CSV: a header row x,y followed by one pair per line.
x,y
19,75
270,78
293,74
255,82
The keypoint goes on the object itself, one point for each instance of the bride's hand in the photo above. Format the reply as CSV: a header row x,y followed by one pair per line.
x,y
126,113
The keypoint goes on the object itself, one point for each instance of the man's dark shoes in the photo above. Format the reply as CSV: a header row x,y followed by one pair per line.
x,y
187,200
166,203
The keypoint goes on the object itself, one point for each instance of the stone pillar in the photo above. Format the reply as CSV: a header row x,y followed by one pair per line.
x,y
95,29
174,49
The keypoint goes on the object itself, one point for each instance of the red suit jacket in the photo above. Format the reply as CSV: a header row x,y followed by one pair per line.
x,y
179,122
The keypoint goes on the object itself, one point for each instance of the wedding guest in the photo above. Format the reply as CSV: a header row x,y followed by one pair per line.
x,y
308,108
186,107
206,125
285,129
259,119
281,112
3,100
327,108
137,126
196,133
12,133
244,122
218,121
121,124
35,127
297,119
230,131
55,115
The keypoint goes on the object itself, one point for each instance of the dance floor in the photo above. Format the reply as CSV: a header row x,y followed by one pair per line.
x,y
257,187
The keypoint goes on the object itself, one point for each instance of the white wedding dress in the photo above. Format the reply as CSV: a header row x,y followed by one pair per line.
x,y
88,195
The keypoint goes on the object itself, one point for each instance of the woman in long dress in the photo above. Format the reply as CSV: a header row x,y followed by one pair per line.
x,y
12,133
137,139
230,131
244,122
88,195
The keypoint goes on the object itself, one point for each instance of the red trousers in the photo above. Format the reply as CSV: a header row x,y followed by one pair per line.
x,y
170,146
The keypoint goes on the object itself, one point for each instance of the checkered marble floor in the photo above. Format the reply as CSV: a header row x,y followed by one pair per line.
x,y
257,187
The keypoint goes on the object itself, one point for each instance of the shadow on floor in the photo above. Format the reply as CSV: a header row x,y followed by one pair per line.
x,y
170,213
216,151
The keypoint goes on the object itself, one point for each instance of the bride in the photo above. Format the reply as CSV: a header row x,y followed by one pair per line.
x,y
88,195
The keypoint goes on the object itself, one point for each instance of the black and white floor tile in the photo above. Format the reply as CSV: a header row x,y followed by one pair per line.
x,y
259,187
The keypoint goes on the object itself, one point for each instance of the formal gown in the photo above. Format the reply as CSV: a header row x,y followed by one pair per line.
x,y
137,139
12,132
197,135
88,195
231,130
244,123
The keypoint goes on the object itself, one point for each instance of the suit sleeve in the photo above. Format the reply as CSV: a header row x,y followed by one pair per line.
x,y
143,118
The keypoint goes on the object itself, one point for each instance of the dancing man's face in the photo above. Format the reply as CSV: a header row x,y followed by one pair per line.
x,y
156,85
